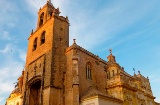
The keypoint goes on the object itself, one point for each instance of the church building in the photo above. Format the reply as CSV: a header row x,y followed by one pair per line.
x,y
58,74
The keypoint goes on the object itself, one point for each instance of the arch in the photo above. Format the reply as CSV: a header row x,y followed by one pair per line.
x,y
33,80
34,96
35,44
89,71
108,74
41,19
112,73
43,37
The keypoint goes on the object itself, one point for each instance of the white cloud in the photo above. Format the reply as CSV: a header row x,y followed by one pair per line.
x,y
1,99
9,75
6,87
119,41
4,72
7,49
8,10
5,35
157,100
22,55
95,29
34,6
11,68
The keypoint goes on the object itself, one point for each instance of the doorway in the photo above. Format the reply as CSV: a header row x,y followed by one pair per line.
x,y
34,97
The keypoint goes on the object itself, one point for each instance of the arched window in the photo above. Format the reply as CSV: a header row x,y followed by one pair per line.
x,y
43,37
35,44
88,71
108,75
41,19
112,73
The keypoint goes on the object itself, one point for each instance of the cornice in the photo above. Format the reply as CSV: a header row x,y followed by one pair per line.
x,y
75,46
112,64
61,18
111,98
122,85
39,27
130,88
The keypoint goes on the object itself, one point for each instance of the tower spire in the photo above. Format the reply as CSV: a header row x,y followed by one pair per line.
x,y
48,0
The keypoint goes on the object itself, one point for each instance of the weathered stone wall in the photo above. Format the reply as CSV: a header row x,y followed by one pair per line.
x,y
98,74
97,69
69,80
48,60
14,99
41,48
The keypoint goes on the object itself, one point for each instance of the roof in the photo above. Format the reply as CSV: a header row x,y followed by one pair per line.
x,y
75,46
16,90
91,91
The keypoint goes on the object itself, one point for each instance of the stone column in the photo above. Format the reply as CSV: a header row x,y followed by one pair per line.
x,y
75,84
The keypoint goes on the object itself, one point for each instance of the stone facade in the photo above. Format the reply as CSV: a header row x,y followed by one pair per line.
x,y
58,74
15,97
46,60
133,90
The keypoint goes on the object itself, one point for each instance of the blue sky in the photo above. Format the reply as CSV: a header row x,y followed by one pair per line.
x,y
130,27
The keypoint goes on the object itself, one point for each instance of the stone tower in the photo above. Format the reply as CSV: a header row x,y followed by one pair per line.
x,y
46,61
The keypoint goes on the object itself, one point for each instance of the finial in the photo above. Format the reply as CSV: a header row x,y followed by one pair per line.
x,y
48,0
74,40
134,70
110,50
122,68
66,17
32,31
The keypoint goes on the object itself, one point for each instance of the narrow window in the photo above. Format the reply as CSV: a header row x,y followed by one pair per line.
x,y
112,72
109,75
35,44
41,19
43,37
88,71
17,103
51,14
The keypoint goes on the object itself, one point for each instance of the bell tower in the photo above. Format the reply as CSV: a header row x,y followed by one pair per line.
x,y
45,13
46,61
